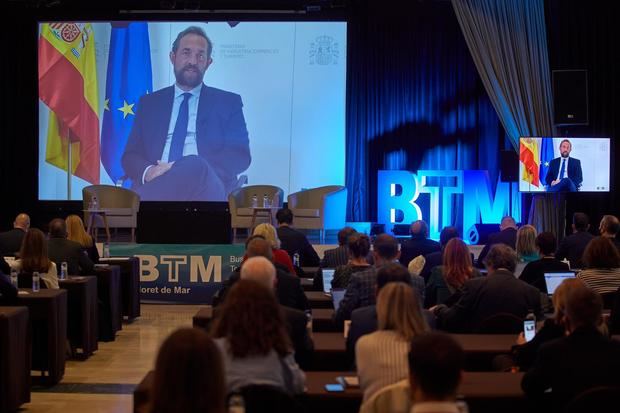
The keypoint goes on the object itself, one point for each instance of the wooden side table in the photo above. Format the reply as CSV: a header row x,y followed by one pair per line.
x,y
90,228
265,212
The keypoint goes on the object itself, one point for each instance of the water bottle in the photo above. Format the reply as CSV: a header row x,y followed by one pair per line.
x,y
63,270
309,322
95,203
254,201
236,404
36,282
106,250
14,277
296,260
119,183
265,201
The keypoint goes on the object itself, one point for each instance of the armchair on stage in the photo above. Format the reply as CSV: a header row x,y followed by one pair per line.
x,y
121,206
319,208
240,204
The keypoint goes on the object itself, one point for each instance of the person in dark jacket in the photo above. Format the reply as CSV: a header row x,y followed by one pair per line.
x,y
418,244
61,249
534,272
11,241
573,246
293,241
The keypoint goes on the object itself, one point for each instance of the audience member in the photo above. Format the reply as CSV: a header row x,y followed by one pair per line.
x,y
602,263
293,241
251,335
507,235
381,356
609,228
280,256
446,281
361,289
8,292
534,271
358,246
11,241
4,266
526,244
336,257
189,375
582,360
498,293
261,270
61,249
77,233
573,246
418,244
434,259
33,257
289,291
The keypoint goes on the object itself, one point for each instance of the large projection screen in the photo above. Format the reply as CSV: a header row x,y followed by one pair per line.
x,y
290,78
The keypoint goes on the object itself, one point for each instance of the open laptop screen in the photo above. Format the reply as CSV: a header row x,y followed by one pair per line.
x,y
553,279
328,276
337,296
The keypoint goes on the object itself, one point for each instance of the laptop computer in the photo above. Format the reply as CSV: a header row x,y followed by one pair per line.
x,y
328,276
337,296
553,279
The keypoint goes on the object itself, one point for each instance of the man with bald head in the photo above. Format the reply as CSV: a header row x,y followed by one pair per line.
x,y
507,235
609,228
418,244
60,249
11,241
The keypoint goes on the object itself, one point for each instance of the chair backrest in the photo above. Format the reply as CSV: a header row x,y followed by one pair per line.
x,y
24,280
311,198
242,197
501,323
110,196
267,399
602,399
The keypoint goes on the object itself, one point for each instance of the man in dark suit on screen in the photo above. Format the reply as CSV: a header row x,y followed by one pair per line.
x,y
189,141
564,173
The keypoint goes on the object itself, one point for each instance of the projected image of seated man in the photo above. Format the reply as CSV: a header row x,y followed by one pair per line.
x,y
564,173
189,141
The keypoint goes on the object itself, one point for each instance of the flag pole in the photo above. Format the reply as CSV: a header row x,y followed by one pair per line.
x,y
69,174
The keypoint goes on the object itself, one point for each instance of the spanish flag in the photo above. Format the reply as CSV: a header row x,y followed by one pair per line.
x,y
530,158
68,86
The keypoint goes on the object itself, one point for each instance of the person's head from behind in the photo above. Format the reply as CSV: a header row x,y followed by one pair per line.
x,y
526,241
251,320
399,310
392,272
284,216
259,269
609,226
358,246
601,253
268,232
436,363
581,222
58,228
33,252
191,57
457,263
584,308
257,246
385,249
546,243
507,222
344,234
189,375
559,298
501,256
76,231
419,229
446,234
22,221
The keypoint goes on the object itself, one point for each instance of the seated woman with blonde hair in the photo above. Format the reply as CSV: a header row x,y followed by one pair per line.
x,y
526,244
280,256
33,257
381,357
77,233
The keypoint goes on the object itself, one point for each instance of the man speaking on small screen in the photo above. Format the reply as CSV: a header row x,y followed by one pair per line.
x,y
189,141
564,174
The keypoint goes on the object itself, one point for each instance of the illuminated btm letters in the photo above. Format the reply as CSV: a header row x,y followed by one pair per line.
x,y
197,268
440,197
177,260
397,192
148,268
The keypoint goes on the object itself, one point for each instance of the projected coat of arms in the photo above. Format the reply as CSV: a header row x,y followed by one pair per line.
x,y
324,51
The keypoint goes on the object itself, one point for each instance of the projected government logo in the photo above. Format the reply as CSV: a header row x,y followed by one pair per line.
x,y
66,31
324,51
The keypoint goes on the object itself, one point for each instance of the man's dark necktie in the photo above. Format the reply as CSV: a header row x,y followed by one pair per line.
x,y
180,130
562,168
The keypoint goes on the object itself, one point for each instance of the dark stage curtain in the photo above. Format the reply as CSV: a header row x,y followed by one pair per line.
x,y
415,100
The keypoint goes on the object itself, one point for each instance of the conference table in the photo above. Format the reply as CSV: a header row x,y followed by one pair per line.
x,y
82,314
130,284
14,358
484,392
319,299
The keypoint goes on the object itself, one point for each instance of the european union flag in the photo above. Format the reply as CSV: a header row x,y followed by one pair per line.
x,y
129,77
546,155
